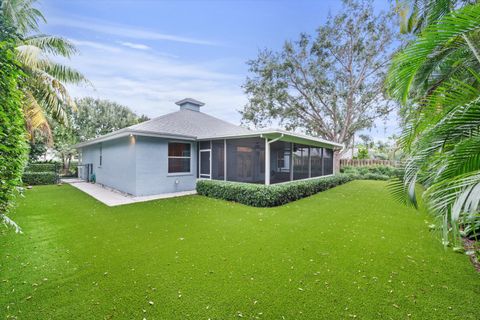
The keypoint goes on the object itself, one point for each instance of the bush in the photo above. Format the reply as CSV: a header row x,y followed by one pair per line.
x,y
41,167
41,173
39,178
372,172
13,147
257,195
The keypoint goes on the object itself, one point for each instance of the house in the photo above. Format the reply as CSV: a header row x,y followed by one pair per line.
x,y
169,153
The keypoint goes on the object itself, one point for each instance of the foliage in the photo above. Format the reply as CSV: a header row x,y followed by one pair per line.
x,y
93,118
40,173
96,117
12,134
37,149
44,87
362,154
437,79
42,167
348,253
330,85
39,178
257,195
387,171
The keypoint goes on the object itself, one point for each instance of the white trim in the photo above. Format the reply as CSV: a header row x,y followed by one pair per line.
x,y
125,133
284,133
224,159
267,162
200,174
185,173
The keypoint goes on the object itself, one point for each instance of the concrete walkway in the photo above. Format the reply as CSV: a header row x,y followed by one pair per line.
x,y
112,197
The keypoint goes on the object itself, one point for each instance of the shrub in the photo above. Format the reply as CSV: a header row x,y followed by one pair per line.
x,y
39,178
13,147
41,167
372,171
257,195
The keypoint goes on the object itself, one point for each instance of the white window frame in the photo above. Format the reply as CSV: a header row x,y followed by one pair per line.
x,y
179,157
200,175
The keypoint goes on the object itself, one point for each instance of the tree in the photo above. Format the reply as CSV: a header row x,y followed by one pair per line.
x,y
96,117
437,80
45,94
330,85
93,118
12,132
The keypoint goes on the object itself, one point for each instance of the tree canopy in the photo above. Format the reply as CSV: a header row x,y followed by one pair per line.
x,y
45,94
330,85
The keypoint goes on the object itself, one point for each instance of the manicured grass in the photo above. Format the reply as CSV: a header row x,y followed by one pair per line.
x,y
347,252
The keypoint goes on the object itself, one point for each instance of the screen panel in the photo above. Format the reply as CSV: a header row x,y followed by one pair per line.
x,y
246,160
280,161
300,161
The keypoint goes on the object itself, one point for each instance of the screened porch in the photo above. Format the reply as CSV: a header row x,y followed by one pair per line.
x,y
266,159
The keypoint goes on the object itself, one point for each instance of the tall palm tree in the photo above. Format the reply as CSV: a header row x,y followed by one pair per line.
x,y
436,78
44,87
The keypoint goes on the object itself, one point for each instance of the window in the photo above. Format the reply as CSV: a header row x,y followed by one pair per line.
x,y
179,155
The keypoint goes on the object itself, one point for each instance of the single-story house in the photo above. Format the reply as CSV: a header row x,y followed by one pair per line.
x,y
169,153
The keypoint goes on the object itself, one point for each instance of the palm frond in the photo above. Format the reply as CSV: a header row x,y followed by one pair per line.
x,y
51,45
408,62
22,15
35,118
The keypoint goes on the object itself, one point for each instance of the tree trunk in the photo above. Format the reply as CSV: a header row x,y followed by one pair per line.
x,y
336,161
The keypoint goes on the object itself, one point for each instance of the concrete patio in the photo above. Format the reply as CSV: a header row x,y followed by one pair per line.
x,y
113,198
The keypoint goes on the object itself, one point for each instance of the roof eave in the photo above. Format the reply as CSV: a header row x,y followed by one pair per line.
x,y
124,133
273,134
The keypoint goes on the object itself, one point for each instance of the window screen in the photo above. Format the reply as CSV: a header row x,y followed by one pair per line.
x,y
246,160
316,162
327,161
300,162
218,156
280,161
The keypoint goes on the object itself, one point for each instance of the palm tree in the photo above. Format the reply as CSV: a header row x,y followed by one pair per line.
x,y
44,87
436,78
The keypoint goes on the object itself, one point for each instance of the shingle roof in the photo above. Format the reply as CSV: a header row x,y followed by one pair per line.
x,y
189,123
194,125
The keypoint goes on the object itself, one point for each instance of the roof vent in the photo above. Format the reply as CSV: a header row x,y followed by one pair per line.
x,y
190,104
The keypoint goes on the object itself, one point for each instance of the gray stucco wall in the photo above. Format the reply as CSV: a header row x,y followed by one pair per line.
x,y
138,166
118,163
152,168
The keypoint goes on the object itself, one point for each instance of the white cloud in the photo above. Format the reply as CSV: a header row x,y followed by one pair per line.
x,y
122,30
150,82
137,46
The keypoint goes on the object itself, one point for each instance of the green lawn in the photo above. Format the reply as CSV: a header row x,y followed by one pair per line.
x,y
350,252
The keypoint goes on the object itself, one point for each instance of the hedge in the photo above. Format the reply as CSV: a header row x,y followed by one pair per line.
x,y
259,195
388,171
13,147
38,178
41,167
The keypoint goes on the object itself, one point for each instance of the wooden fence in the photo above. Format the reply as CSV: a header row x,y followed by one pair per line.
x,y
367,162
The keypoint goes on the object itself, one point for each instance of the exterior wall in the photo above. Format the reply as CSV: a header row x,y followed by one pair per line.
x,y
152,175
118,163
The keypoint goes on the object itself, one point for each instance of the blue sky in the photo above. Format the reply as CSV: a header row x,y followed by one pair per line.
x,y
149,54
